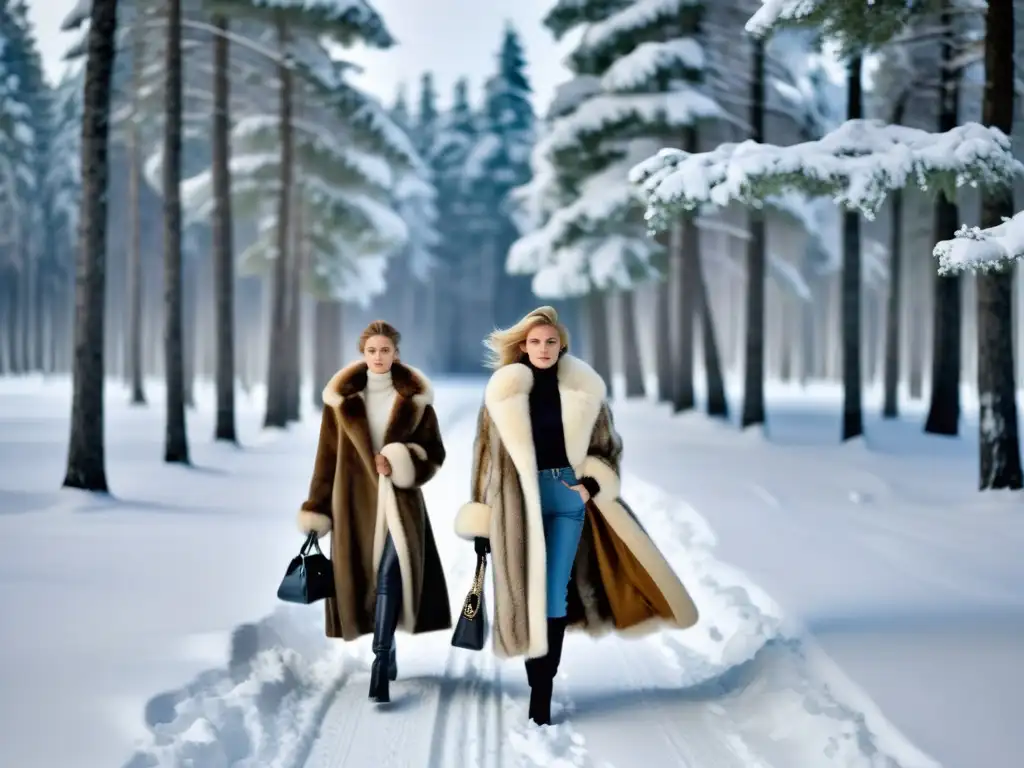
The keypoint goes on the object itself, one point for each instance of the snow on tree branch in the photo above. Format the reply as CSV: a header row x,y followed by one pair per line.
x,y
857,164
774,12
647,60
853,24
607,113
982,250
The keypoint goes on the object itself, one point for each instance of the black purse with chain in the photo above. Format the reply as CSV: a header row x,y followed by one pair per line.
x,y
471,629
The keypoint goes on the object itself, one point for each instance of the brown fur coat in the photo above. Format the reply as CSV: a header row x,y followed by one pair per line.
x,y
620,580
349,498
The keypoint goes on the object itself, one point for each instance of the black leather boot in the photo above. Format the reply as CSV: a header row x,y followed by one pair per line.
x,y
540,673
385,622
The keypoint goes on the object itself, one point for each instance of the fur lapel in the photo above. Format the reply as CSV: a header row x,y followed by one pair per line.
x,y
582,392
344,392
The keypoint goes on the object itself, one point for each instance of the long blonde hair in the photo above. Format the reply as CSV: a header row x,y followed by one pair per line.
x,y
503,343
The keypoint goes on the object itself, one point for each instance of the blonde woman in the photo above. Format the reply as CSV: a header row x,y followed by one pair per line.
x,y
545,503
379,443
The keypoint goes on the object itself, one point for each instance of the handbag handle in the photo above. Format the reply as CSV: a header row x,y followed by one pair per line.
x,y
312,542
471,607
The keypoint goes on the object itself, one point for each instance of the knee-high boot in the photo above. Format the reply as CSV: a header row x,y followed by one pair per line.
x,y
389,603
540,673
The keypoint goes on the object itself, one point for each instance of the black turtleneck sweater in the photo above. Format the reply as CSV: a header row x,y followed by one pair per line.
x,y
546,421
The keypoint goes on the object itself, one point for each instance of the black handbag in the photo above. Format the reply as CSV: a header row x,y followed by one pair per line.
x,y
471,629
310,576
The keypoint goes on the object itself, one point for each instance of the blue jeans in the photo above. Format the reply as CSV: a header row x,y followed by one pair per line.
x,y
563,511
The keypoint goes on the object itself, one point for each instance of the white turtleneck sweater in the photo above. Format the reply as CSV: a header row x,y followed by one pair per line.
x,y
379,397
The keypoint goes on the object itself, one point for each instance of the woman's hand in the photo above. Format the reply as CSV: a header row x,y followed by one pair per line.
x,y
383,465
580,489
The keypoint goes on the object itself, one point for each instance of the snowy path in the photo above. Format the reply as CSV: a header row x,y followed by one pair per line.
x,y
729,693
735,690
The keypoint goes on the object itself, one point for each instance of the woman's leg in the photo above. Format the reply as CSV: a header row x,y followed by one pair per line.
x,y
388,608
564,512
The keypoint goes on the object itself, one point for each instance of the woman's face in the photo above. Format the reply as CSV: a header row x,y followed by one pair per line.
x,y
379,354
542,346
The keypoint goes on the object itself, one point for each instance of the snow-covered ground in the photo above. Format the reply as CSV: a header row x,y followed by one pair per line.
x,y
143,630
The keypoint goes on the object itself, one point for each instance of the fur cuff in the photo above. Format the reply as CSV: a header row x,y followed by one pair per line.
x,y
403,471
605,476
314,521
473,520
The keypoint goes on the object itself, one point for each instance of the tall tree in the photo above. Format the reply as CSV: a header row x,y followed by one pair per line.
x,y
175,439
464,315
499,162
223,241
999,445
753,368
294,21
637,81
944,408
86,466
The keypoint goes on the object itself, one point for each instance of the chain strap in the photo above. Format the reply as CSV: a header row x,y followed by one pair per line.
x,y
470,608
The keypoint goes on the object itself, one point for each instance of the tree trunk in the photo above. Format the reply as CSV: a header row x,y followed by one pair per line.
x,y
294,358
717,404
133,353
891,374
944,409
853,423
86,456
598,342
277,372
192,318
753,366
632,363
176,444
663,339
223,245
998,440
327,321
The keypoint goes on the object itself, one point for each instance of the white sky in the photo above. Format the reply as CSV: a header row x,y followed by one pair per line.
x,y
450,37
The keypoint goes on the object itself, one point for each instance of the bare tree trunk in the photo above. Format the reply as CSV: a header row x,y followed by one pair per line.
x,y
598,342
327,321
717,404
192,317
663,339
86,455
853,422
632,364
277,373
223,243
176,443
294,358
891,374
998,440
134,330
944,410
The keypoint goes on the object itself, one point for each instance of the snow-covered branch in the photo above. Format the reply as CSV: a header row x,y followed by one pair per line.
x,y
982,250
857,165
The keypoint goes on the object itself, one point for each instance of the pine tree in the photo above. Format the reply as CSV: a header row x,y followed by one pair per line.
x,y
638,82
24,138
855,164
464,310
498,163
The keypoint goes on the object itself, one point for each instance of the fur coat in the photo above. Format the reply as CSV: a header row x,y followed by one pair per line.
x,y
348,498
620,580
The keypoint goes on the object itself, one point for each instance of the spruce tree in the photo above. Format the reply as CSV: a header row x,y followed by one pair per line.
x,y
498,163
